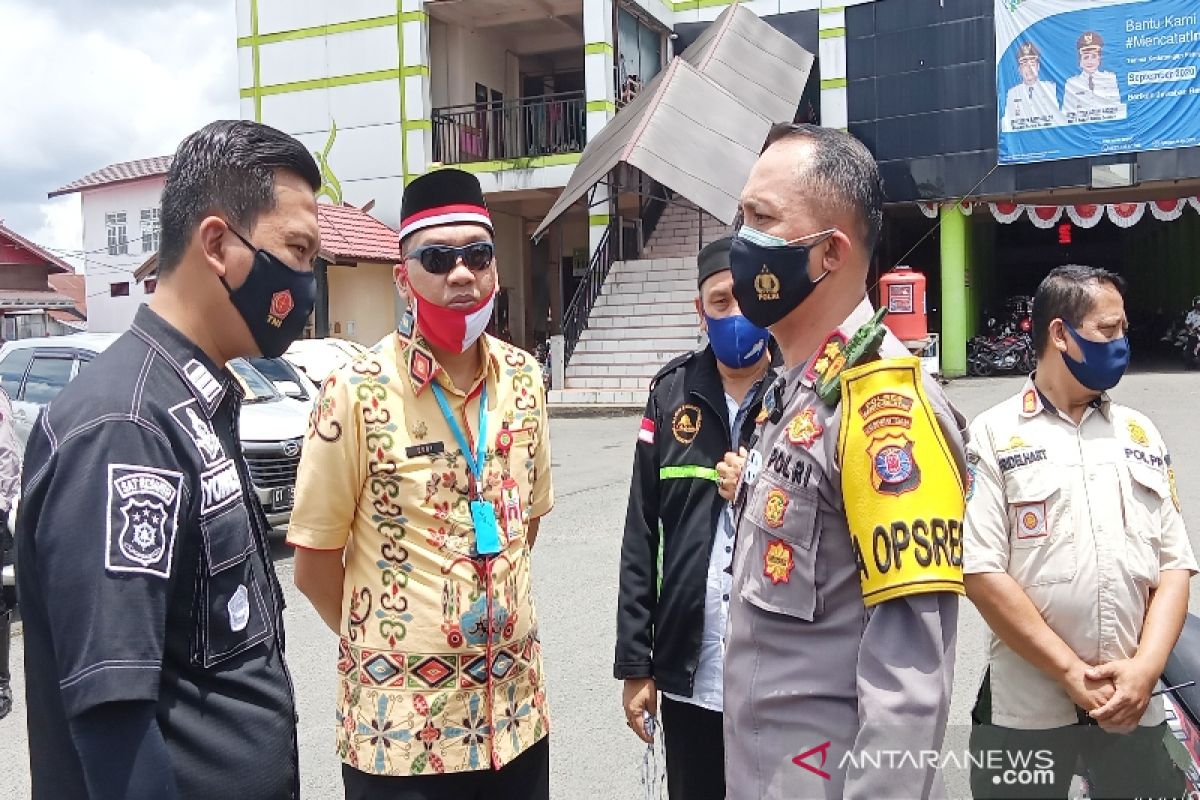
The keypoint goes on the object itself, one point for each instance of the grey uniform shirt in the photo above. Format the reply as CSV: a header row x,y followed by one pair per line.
x,y
814,679
1084,518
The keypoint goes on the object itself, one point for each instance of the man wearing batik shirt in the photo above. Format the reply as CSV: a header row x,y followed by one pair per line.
x,y
424,476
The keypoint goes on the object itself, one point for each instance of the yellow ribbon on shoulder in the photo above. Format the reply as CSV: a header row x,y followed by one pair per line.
x,y
900,483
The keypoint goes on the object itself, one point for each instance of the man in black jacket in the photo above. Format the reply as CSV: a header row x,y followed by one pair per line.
x,y
675,560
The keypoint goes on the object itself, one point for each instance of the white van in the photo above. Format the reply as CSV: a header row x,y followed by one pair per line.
x,y
34,371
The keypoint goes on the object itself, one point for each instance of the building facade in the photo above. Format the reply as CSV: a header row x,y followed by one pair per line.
x,y
120,204
385,90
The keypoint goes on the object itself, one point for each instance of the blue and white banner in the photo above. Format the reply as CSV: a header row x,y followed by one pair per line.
x,y
1089,77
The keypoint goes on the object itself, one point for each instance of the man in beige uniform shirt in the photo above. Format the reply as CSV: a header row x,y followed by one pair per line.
x,y
1076,555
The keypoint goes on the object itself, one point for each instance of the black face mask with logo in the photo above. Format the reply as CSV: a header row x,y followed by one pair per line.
x,y
770,275
274,300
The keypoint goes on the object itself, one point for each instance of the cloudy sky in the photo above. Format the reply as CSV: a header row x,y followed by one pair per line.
x,y
88,83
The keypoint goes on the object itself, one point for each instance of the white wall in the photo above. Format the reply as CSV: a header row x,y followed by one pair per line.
x,y
461,58
107,313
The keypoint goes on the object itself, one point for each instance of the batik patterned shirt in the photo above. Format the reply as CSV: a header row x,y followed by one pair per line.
x,y
439,662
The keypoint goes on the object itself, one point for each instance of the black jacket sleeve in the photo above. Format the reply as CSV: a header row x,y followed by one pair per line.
x,y
637,595
122,752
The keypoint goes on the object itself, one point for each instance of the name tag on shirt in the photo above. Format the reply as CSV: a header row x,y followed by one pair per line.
x,y
427,449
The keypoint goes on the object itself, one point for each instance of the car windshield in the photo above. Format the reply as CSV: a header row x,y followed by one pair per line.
x,y
274,368
257,387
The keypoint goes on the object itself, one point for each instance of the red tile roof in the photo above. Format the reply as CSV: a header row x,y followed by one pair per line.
x,y
351,234
55,263
73,286
118,173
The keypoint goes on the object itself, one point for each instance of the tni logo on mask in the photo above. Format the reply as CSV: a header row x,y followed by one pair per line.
x,y
282,305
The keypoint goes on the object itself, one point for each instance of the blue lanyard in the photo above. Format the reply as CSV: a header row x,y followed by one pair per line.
x,y
474,462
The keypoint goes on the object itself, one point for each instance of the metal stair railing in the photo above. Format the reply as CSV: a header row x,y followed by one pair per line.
x,y
575,319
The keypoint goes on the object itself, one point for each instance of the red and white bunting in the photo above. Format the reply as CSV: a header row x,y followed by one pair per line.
x,y
967,207
1007,213
1087,215
1045,216
930,210
1125,215
1194,202
1167,210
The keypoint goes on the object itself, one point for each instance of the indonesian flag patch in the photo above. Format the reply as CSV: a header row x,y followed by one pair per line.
x,y
646,434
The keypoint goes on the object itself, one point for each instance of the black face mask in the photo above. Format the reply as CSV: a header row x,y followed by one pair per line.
x,y
770,276
275,300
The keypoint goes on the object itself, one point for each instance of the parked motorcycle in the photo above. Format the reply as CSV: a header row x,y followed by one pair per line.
x,y
988,355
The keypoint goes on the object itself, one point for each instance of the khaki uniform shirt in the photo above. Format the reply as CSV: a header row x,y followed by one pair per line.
x,y
1084,518
439,664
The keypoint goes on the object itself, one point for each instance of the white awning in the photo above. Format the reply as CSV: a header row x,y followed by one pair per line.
x,y
698,127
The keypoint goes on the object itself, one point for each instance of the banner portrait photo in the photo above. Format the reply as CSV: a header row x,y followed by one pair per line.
x,y
1081,78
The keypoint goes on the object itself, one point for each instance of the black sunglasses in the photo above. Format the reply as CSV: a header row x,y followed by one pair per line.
x,y
439,259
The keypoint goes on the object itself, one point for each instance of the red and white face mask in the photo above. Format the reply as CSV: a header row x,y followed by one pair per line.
x,y
452,329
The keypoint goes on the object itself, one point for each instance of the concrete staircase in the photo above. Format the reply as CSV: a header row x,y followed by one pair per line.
x,y
644,317
676,233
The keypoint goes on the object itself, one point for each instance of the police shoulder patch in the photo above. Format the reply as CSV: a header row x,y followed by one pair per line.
x,y
143,519
901,486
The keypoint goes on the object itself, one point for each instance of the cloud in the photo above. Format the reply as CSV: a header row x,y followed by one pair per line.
x,y
89,84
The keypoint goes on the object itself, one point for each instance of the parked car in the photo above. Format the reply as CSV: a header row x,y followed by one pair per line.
x,y
318,358
34,371
289,379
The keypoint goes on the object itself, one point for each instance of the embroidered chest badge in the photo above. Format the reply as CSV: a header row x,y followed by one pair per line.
x,y
1031,521
778,562
774,508
686,423
804,430
1137,434
894,467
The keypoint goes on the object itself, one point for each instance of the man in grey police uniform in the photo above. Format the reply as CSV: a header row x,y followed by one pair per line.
x,y
1093,88
1032,103
1078,559
815,674
153,618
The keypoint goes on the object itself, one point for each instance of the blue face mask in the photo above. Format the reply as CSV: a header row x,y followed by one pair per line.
x,y
1103,362
736,341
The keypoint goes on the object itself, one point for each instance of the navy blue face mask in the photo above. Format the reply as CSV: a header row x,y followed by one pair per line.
x,y
275,300
736,341
1103,362
770,274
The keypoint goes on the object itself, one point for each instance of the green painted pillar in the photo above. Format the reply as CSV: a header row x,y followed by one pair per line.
x,y
955,250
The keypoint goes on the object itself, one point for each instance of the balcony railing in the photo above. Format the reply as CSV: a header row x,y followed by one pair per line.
x,y
513,129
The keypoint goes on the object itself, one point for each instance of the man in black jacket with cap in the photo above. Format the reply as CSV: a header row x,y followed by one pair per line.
x,y
675,560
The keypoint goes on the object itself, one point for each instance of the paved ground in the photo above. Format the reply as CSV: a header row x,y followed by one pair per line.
x,y
594,755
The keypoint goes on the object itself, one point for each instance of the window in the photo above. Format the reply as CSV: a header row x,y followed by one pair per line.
x,y
47,377
149,285
12,370
151,229
118,242
118,289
